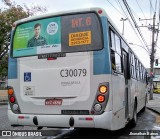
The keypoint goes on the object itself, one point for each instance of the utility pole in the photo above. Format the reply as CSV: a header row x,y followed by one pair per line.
x,y
152,58
153,29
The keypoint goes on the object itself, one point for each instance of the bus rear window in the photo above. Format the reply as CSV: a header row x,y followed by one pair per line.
x,y
63,34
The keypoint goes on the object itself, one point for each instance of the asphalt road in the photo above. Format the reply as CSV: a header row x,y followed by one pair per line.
x,y
146,121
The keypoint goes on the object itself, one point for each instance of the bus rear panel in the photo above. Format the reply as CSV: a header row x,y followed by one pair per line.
x,y
65,82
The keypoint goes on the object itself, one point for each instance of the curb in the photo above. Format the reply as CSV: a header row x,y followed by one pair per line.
x,y
153,110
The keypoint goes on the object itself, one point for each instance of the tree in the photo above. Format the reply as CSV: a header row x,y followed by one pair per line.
x,y
8,15
3,67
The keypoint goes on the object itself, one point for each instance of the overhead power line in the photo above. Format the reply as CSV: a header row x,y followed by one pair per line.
x,y
151,6
158,47
135,23
158,25
150,10
155,6
134,13
126,15
141,10
114,7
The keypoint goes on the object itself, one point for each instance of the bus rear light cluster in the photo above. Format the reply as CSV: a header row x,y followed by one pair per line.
x,y
101,98
12,100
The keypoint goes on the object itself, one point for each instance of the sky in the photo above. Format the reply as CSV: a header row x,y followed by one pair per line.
x,y
143,9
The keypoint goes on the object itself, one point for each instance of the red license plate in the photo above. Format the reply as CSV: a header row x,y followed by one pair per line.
x,y
53,102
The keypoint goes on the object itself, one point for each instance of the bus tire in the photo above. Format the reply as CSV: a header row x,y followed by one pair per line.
x,y
134,119
144,108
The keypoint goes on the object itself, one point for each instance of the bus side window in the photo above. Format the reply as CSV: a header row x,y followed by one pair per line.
x,y
112,45
116,57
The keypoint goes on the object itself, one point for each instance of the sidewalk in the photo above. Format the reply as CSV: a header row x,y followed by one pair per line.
x,y
154,104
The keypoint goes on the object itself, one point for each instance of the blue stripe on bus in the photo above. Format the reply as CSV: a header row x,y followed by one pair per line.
x,y
101,64
12,68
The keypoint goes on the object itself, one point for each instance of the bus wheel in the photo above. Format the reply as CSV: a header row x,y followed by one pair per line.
x,y
134,119
144,108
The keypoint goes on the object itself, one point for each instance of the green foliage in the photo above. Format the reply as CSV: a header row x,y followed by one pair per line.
x,y
8,15
3,67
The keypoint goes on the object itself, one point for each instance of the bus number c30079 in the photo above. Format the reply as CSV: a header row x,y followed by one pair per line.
x,y
73,72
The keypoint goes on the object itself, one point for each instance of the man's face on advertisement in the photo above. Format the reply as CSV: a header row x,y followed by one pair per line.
x,y
37,31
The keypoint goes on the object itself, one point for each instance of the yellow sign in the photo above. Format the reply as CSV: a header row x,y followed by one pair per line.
x,y
80,38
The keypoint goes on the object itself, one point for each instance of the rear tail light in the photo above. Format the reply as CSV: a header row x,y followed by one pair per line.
x,y
103,89
10,91
101,98
12,99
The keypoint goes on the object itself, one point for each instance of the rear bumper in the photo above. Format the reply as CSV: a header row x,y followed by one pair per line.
x,y
98,121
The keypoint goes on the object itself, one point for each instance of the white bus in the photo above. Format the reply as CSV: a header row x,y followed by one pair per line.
x,y
73,69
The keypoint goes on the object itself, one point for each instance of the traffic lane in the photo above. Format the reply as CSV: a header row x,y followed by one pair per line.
x,y
145,121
